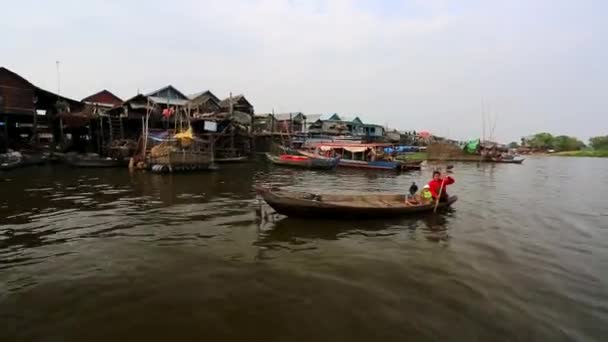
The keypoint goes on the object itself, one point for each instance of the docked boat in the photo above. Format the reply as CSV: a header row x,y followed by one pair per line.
x,y
306,162
344,207
9,165
17,160
94,161
506,160
354,157
240,159
381,164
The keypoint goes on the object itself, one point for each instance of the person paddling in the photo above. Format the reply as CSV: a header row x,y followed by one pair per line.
x,y
436,184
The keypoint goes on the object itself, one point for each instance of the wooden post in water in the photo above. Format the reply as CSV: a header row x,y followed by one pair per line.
x,y
6,140
103,139
61,130
99,142
35,122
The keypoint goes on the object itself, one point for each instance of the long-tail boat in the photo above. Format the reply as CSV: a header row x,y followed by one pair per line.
x,y
306,162
358,156
344,207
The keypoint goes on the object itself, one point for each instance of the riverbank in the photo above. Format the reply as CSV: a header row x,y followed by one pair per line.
x,y
591,153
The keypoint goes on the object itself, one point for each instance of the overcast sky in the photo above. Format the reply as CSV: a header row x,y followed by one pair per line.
x,y
538,65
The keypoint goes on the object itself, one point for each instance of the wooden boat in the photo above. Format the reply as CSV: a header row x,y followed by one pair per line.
x,y
95,162
306,162
356,156
344,207
23,161
9,165
381,164
506,160
377,165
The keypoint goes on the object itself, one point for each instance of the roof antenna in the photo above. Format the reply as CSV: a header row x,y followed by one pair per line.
x,y
58,80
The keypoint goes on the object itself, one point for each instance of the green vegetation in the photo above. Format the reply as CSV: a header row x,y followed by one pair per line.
x,y
413,156
584,153
546,141
599,143
567,146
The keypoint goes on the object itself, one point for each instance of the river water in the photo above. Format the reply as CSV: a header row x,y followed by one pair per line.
x,y
106,255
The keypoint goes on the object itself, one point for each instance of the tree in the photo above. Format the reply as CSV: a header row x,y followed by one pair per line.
x,y
514,144
599,143
566,143
542,141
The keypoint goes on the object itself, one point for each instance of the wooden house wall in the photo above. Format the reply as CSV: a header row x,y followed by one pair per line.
x,y
16,94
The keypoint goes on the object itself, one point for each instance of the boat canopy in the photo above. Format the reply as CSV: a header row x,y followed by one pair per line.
x,y
355,149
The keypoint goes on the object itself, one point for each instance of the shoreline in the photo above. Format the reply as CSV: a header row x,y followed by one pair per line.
x,y
591,154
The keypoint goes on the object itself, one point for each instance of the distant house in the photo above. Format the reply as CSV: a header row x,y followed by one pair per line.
x,y
263,123
237,103
153,102
280,123
102,101
289,122
204,102
168,96
331,125
372,130
341,125
103,98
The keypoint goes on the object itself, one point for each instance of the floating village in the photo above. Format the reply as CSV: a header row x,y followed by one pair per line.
x,y
168,130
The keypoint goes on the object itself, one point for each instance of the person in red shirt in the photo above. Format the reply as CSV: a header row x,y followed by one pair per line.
x,y
436,183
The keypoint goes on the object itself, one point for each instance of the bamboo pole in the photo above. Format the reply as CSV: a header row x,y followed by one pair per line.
x,y
440,193
145,123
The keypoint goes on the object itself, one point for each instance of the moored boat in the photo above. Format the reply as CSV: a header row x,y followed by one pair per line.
x,y
303,161
9,165
18,160
344,207
240,159
94,161
381,164
378,164
506,160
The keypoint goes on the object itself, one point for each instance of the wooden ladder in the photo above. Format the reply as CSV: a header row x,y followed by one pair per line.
x,y
116,128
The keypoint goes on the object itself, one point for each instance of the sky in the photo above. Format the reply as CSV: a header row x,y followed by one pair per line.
x,y
525,65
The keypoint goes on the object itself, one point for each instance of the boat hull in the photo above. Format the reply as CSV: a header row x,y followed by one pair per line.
x,y
380,165
305,162
506,161
287,204
375,165
100,163
232,160
25,160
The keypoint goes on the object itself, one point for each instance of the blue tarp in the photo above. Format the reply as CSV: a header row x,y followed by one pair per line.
x,y
401,149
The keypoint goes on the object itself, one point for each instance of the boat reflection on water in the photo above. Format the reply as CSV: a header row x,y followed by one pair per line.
x,y
276,228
